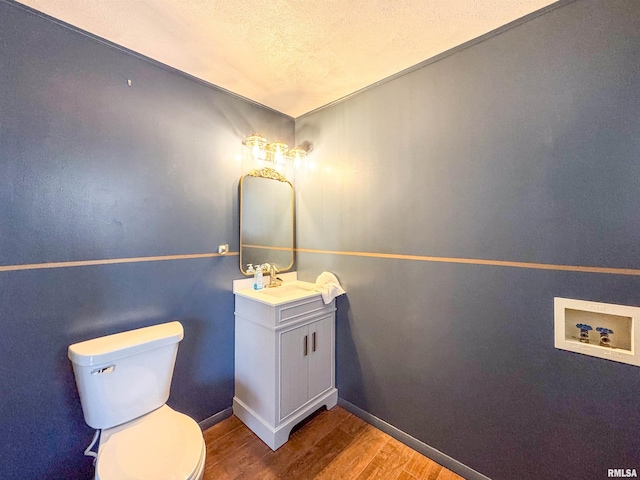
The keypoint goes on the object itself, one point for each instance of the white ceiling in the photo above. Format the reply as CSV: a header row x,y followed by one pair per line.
x,y
291,55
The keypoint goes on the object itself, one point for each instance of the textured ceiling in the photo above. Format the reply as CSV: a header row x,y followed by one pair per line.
x,y
291,55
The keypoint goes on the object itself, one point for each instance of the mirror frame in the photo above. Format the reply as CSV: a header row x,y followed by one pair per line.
x,y
269,174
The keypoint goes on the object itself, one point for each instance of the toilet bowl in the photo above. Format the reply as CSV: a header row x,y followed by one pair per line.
x,y
162,445
124,381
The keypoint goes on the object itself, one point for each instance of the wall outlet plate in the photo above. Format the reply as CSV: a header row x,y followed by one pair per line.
x,y
623,320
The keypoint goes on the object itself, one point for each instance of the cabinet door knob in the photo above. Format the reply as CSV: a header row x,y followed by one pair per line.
x,y
306,345
314,341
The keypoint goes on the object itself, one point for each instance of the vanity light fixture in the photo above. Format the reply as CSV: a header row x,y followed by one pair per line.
x,y
297,154
277,152
257,143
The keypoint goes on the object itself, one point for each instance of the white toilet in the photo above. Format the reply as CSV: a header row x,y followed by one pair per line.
x,y
124,382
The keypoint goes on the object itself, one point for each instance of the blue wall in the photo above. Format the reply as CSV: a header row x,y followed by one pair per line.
x,y
93,169
523,147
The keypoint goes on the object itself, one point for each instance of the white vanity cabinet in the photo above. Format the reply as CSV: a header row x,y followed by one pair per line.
x,y
284,358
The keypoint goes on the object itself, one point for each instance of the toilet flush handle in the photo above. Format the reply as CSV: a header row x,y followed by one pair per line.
x,y
108,369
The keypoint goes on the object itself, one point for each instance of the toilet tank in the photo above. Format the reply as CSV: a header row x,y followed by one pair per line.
x,y
126,375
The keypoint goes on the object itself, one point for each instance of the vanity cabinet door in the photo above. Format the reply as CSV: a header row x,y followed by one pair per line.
x,y
294,370
320,356
306,365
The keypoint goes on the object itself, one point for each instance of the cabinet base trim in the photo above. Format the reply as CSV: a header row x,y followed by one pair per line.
x,y
276,437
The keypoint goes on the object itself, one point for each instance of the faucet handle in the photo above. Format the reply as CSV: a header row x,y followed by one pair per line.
x,y
273,271
604,331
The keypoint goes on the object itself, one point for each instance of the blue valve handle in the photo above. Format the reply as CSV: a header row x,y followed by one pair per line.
x,y
604,331
584,326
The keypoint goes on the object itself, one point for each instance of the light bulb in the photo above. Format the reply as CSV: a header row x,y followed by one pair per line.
x,y
277,149
256,142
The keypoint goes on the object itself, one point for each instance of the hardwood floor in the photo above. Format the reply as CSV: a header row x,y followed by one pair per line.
x,y
332,445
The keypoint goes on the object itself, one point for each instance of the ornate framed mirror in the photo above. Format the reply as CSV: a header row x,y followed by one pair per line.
x,y
266,220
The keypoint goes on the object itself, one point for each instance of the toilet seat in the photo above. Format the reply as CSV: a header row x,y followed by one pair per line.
x,y
162,445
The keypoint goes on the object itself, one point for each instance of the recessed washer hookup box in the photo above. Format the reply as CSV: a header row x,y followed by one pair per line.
x,y
602,330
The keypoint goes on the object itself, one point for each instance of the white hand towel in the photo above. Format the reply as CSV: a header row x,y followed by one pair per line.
x,y
329,286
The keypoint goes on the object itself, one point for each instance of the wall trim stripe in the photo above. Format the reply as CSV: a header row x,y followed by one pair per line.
x,y
479,261
110,261
267,247
394,256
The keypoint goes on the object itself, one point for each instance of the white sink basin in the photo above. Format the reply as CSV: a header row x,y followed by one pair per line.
x,y
287,292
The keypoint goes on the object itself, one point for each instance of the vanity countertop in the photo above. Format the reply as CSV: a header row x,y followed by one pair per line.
x,y
287,292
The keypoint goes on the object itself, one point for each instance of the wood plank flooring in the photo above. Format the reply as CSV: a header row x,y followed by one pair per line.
x,y
331,445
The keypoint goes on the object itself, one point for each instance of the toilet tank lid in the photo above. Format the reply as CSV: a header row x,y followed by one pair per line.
x,y
119,345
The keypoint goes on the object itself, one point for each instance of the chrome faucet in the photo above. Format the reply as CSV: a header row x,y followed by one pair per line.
x,y
273,271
